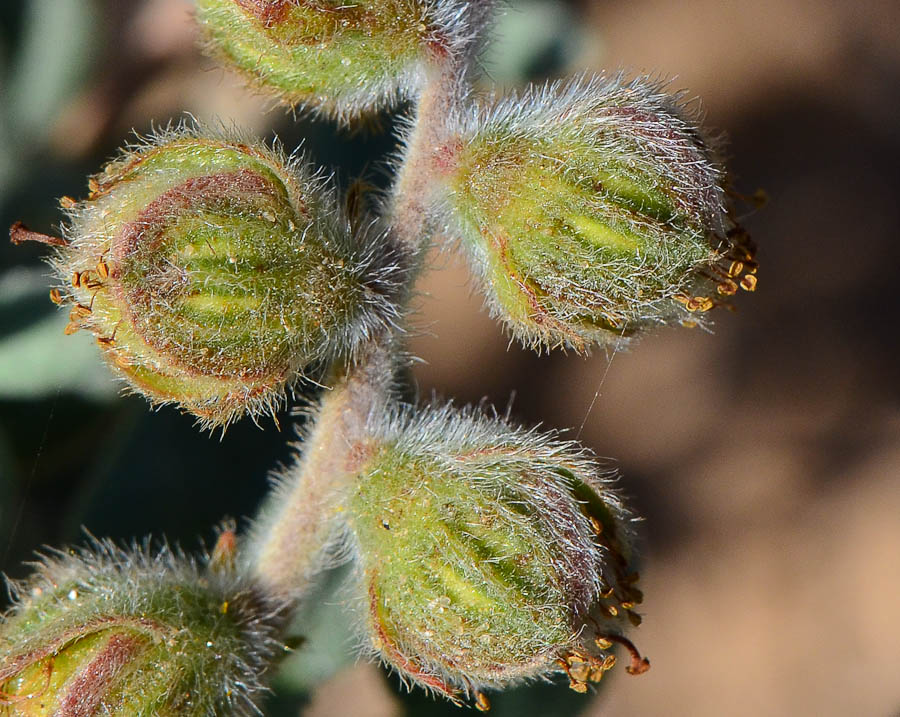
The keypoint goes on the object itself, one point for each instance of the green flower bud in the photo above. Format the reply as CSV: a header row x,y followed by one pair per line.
x,y
105,631
213,272
488,554
593,210
342,59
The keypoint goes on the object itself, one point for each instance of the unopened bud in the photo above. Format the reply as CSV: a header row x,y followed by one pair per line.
x,y
130,632
591,211
340,58
212,273
487,554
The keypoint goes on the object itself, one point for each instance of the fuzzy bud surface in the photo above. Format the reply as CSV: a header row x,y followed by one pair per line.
x,y
114,632
592,210
342,59
213,272
488,554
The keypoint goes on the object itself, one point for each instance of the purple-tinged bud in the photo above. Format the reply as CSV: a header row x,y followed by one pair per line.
x,y
342,59
488,554
106,631
213,273
591,211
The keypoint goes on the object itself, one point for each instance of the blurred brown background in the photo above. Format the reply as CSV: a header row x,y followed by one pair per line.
x,y
764,456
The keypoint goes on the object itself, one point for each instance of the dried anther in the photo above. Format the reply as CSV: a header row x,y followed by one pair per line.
x,y
639,665
582,668
19,234
482,703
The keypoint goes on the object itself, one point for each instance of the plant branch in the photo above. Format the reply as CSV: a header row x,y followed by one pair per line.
x,y
430,151
289,543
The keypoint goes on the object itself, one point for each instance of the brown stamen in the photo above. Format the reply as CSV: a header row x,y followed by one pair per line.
x,y
19,234
482,703
639,665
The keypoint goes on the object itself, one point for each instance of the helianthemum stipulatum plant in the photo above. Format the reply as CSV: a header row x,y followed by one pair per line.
x,y
217,275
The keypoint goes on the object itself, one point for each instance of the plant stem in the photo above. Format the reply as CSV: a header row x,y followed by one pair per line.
x,y
290,540
429,152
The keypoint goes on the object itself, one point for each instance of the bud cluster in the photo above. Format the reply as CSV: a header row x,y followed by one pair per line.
x,y
216,274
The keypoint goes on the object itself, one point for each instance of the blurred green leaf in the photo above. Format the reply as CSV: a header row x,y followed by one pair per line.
x,y
329,641
7,478
36,358
7,161
59,38
23,298
532,38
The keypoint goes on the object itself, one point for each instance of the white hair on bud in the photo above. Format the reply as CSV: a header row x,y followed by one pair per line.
x,y
604,109
455,28
162,591
577,132
366,258
501,484
444,432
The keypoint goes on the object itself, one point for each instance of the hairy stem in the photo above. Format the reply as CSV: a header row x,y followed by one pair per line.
x,y
289,542
429,151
